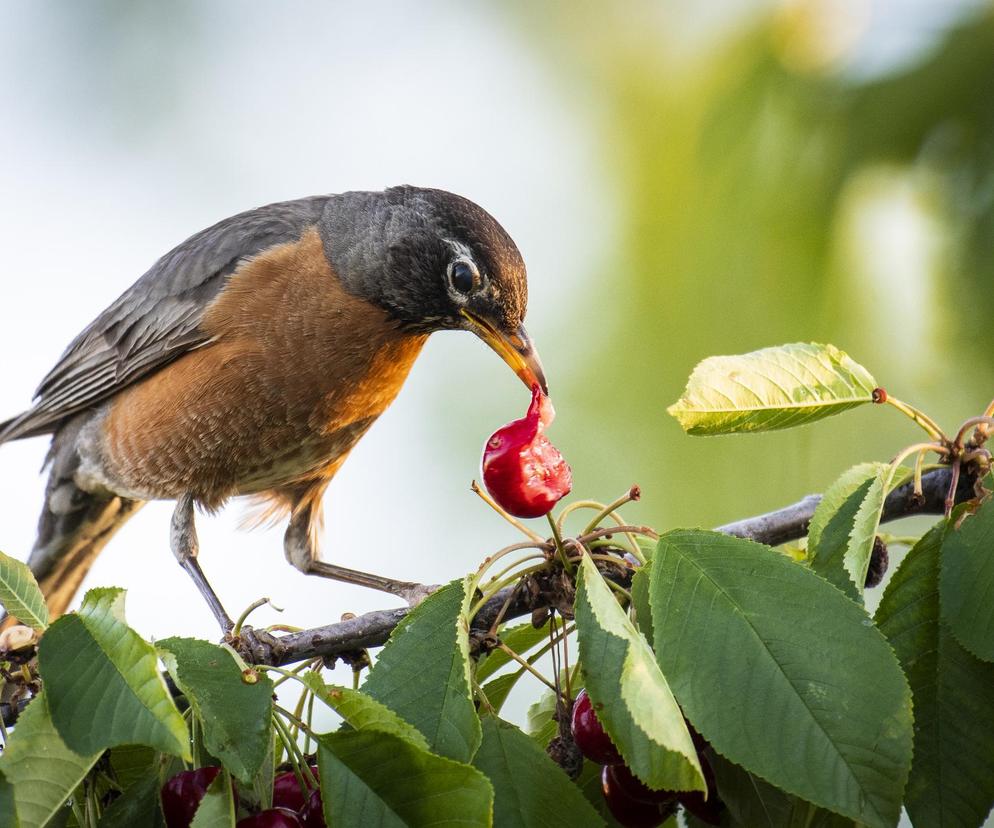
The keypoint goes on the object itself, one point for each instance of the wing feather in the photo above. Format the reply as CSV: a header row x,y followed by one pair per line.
x,y
158,318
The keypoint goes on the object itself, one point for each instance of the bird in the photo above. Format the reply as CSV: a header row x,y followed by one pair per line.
x,y
250,359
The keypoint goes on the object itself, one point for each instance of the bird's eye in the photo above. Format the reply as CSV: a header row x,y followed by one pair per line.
x,y
463,277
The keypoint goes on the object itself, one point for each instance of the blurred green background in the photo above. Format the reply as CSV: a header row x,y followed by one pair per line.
x,y
778,177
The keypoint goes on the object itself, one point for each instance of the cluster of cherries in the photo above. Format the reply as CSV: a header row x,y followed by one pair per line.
x,y
631,802
293,806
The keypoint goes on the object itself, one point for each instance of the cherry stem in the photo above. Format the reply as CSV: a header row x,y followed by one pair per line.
x,y
559,544
517,563
526,666
483,698
286,674
486,498
634,493
574,506
978,454
953,483
507,550
647,531
500,615
985,420
236,630
495,588
919,417
604,512
288,744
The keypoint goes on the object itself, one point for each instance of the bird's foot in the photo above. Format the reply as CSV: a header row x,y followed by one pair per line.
x,y
255,646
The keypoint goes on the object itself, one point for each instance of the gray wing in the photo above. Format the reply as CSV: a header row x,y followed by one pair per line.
x,y
158,318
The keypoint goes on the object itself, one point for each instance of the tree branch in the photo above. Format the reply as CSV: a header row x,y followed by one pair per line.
x,y
773,528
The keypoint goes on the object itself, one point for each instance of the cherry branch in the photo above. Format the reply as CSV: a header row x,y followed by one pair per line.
x,y
789,523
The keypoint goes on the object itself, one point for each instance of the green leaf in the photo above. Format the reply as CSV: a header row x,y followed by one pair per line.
x,y
770,389
131,763
640,601
520,639
783,674
541,726
217,808
8,806
497,690
374,778
631,696
832,524
138,805
235,715
952,775
423,673
757,804
20,595
589,784
844,526
103,684
967,582
39,766
529,788
362,712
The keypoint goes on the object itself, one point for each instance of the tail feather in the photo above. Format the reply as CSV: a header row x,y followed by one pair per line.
x,y
74,525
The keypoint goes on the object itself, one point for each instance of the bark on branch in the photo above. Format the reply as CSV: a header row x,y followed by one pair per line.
x,y
773,528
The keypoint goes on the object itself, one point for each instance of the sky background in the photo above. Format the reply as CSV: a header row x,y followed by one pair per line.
x,y
682,180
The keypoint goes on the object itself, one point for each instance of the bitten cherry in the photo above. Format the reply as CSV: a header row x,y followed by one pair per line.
x,y
182,794
589,734
522,470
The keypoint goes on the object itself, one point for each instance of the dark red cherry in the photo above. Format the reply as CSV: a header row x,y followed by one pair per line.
x,y
622,778
312,814
522,470
707,810
287,792
182,794
879,560
273,818
589,734
629,811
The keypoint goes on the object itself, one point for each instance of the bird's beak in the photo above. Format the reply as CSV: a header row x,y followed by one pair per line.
x,y
515,349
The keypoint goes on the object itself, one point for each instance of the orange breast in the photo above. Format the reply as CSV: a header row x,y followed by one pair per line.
x,y
297,371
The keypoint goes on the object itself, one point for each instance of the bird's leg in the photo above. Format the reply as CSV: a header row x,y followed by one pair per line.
x,y
183,540
298,543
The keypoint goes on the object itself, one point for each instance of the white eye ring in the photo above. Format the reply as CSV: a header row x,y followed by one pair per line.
x,y
464,278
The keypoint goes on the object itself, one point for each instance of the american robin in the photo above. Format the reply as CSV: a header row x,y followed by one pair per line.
x,y
251,358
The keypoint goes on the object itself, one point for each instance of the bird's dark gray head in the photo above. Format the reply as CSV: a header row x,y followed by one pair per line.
x,y
433,261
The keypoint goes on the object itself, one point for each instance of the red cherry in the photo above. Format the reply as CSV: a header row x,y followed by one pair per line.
x,y
707,810
589,734
629,811
287,792
312,814
622,778
181,795
522,470
273,818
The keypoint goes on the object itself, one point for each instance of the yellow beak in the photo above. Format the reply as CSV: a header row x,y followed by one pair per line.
x,y
515,349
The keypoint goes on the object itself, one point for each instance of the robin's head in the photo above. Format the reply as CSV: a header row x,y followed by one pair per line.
x,y
434,261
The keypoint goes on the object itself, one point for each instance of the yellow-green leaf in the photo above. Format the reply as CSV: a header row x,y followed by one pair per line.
x,y
772,388
20,595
